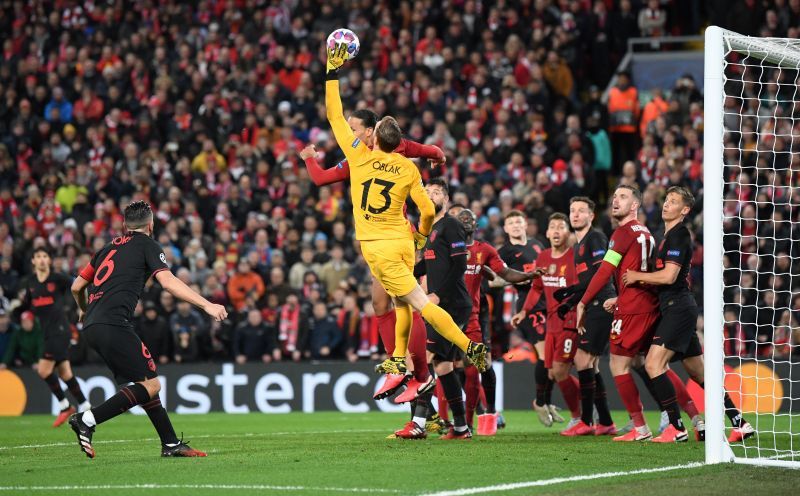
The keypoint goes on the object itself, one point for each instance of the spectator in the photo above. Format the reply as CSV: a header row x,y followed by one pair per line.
x,y
255,340
292,328
623,112
209,159
26,344
186,324
332,273
154,331
7,330
244,283
325,335
299,269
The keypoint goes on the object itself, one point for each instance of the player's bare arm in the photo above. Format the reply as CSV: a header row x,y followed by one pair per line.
x,y
667,275
180,290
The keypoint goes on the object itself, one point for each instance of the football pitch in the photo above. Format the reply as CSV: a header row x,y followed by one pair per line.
x,y
334,453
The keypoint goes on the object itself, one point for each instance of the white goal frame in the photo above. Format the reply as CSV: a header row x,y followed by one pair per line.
x,y
719,42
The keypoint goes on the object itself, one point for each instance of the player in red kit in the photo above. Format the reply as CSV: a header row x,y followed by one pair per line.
x,y
363,122
636,314
558,266
481,256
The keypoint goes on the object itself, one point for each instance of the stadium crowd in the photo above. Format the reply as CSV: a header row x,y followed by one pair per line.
x,y
201,109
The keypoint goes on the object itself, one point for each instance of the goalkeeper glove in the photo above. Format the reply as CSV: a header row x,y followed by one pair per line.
x,y
337,56
563,293
420,240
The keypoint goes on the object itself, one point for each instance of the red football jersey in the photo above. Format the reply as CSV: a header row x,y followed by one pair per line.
x,y
480,255
635,244
560,273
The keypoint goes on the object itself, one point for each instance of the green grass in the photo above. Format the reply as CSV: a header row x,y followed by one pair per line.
x,y
314,453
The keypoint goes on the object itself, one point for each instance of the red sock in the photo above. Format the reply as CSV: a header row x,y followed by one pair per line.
x,y
442,401
684,400
572,395
416,347
471,387
386,330
630,397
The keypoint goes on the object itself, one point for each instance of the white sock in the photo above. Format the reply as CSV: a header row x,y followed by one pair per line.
x,y
420,421
643,429
84,406
63,404
461,428
88,418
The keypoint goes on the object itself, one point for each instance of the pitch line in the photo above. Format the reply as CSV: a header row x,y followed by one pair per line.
x,y
559,480
205,436
250,487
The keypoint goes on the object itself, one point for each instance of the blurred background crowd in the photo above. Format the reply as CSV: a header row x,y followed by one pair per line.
x,y
201,108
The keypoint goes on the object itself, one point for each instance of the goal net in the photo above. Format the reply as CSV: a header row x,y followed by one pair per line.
x,y
751,232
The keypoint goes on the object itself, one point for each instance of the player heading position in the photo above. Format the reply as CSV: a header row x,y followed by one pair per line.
x,y
636,312
44,295
115,278
588,253
558,267
676,333
380,182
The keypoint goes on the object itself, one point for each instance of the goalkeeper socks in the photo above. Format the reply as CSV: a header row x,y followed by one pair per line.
x,y
160,420
443,323
386,323
472,389
489,383
125,399
402,330
630,397
571,394
586,379
682,395
75,390
540,375
416,348
452,391
665,390
462,376
601,402
55,388
733,413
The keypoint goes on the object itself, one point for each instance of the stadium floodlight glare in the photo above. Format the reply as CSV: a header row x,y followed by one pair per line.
x,y
751,153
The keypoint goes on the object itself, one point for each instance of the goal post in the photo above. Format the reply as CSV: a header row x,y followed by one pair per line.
x,y
751,155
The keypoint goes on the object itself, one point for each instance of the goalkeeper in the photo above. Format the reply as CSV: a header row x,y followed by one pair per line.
x,y
380,182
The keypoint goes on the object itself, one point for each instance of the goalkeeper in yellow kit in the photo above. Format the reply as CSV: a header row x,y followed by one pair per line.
x,y
380,182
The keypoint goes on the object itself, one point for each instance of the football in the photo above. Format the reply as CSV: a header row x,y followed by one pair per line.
x,y
349,38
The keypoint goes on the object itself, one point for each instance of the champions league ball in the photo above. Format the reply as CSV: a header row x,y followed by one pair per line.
x,y
349,38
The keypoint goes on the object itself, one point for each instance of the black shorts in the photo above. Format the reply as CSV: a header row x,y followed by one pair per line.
x,y
678,329
533,327
123,351
598,329
56,347
442,349
694,349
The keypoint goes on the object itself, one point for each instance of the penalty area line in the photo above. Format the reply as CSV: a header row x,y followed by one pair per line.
x,y
247,487
559,480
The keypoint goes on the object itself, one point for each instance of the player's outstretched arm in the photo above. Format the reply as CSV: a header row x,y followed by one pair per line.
x,y
516,277
320,176
180,290
412,149
352,147
425,206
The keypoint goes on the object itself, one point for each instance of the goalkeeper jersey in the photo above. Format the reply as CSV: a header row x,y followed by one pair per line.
x,y
380,182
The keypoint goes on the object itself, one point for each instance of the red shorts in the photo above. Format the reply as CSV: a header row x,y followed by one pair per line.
x,y
559,346
473,330
631,334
